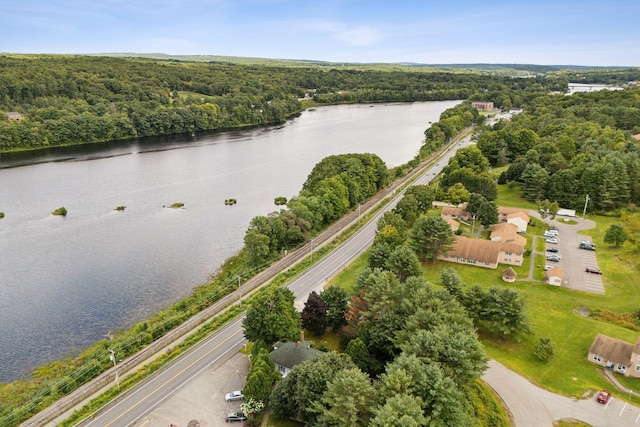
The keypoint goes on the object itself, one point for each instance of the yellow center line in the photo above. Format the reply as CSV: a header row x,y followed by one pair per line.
x,y
172,378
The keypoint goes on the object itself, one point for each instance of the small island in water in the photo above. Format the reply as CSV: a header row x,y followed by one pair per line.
x,y
177,205
60,211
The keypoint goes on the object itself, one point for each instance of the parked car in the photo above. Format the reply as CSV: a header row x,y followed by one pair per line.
x,y
592,270
233,395
235,417
551,240
552,249
588,246
604,396
552,233
554,258
548,267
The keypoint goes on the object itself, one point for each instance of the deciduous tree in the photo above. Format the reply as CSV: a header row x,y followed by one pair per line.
x,y
272,317
615,234
337,304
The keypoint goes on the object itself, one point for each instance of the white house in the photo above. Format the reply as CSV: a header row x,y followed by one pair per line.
x,y
554,276
520,219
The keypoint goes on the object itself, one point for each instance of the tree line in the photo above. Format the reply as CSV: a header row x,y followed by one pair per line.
x,y
335,186
66,99
563,148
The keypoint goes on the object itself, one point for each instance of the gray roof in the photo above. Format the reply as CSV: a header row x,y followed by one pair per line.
x,y
290,354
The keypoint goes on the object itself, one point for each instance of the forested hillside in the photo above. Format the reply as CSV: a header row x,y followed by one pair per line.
x,y
66,100
565,147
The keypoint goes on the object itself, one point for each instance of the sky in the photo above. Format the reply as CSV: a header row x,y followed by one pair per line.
x,y
542,32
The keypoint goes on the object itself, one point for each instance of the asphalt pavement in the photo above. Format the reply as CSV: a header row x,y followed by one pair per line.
x,y
532,406
575,260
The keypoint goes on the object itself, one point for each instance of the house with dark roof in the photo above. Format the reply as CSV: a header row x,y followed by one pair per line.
x,y
617,355
288,354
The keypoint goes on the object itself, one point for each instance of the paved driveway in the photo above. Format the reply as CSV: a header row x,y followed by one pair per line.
x,y
532,406
575,260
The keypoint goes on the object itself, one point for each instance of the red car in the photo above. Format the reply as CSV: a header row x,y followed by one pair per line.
x,y
603,396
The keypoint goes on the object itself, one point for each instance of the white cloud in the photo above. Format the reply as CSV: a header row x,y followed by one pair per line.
x,y
361,35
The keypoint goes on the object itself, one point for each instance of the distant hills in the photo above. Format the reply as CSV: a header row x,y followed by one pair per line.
x,y
478,67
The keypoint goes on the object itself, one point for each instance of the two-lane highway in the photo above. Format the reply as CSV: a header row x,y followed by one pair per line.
x,y
128,409
133,407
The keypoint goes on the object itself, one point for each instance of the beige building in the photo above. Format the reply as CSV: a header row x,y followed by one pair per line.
x,y
520,219
617,355
484,253
508,233
483,106
554,276
13,115
456,213
452,223
505,213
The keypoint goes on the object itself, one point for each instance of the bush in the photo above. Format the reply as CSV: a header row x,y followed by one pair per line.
x,y
544,350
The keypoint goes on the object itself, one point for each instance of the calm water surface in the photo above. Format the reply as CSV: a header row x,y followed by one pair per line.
x,y
67,281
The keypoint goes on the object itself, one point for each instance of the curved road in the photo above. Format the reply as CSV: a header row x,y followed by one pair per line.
x,y
532,406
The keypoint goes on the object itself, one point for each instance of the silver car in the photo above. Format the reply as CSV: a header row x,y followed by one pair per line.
x,y
234,395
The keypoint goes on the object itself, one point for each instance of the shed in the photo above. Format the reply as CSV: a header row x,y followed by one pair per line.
x,y
554,276
509,275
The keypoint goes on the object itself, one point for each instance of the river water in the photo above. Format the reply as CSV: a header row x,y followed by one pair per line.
x,y
66,281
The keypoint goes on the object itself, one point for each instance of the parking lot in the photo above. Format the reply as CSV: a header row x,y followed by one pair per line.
x,y
574,261
200,402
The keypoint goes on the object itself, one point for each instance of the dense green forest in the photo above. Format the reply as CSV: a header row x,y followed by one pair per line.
x,y
68,100
565,147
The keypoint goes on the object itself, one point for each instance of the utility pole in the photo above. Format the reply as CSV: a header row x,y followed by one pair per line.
x,y
311,251
586,202
112,357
